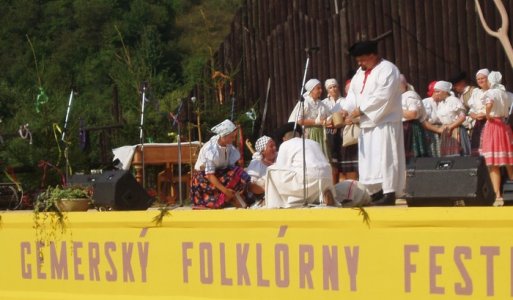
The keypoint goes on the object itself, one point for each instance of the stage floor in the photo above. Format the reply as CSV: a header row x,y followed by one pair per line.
x,y
311,253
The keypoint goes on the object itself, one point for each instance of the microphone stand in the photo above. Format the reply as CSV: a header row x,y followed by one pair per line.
x,y
141,133
70,101
67,115
177,122
233,108
301,111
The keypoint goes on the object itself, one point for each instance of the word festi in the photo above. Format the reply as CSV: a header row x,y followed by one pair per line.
x,y
245,264
93,261
475,268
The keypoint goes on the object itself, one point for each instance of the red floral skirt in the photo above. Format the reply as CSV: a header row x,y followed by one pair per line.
x,y
205,194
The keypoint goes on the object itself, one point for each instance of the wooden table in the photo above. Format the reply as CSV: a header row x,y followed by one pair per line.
x,y
164,154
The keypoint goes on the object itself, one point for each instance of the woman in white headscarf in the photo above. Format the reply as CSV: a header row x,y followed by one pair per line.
x,y
477,109
217,180
497,138
315,114
264,156
450,115
333,134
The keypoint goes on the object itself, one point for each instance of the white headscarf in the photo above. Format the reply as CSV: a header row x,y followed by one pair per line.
x,y
443,86
260,145
224,128
309,86
330,82
495,79
484,72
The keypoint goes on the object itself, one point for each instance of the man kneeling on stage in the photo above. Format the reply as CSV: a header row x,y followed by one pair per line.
x,y
284,184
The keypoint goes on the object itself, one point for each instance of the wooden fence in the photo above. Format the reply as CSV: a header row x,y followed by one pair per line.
x,y
427,39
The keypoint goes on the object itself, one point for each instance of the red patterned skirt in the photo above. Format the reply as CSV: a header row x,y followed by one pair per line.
x,y
496,143
205,194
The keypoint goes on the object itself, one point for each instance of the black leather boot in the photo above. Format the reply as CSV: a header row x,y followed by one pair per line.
x,y
387,199
377,196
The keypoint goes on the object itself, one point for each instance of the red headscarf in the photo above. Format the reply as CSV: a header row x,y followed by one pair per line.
x,y
431,88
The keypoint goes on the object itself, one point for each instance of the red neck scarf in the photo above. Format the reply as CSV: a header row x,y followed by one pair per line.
x,y
367,73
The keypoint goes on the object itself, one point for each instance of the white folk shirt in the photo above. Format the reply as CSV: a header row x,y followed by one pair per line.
x,y
449,110
213,156
411,102
314,109
500,100
257,169
476,102
430,108
332,104
378,96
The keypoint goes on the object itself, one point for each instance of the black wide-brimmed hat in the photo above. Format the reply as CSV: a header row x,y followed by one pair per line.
x,y
461,76
363,48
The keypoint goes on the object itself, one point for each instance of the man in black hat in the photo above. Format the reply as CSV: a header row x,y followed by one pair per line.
x,y
463,89
375,97
286,132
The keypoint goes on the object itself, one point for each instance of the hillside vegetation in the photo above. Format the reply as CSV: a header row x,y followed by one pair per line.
x,y
103,50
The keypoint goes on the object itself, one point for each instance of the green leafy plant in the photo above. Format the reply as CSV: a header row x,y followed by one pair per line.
x,y
48,201
50,219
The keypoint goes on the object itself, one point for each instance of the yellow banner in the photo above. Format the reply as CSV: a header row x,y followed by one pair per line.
x,y
404,253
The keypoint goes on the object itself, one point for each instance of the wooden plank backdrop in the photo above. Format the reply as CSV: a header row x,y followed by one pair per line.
x,y
428,40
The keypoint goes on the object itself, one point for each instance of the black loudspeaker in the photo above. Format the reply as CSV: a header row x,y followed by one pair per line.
x,y
83,179
440,181
117,190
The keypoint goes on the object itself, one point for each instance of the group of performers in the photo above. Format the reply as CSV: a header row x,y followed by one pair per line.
x,y
395,124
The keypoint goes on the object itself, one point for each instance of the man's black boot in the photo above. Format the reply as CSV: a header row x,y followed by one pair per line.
x,y
387,199
377,196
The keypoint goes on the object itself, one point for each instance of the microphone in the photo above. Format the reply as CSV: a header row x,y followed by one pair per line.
x,y
144,86
312,49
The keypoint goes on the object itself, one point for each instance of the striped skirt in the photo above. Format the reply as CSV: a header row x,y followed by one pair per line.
x,y
414,140
496,143
433,142
348,159
455,143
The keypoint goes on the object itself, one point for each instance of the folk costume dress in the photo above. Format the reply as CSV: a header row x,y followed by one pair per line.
x,y
257,168
314,109
456,142
333,135
497,138
414,136
216,159
432,138
348,157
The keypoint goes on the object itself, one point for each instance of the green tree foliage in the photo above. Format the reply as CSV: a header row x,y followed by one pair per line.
x,y
104,50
